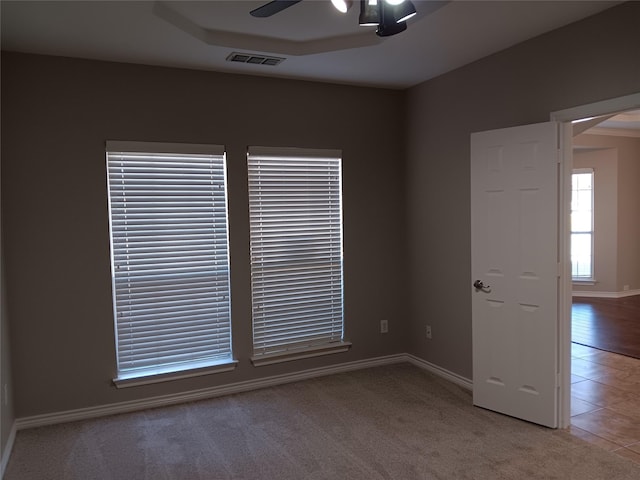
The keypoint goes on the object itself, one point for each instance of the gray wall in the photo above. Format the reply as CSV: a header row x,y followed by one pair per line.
x,y
6,404
57,114
6,409
588,61
626,262
406,208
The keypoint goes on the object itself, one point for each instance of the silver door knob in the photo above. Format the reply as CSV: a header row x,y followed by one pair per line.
x,y
478,285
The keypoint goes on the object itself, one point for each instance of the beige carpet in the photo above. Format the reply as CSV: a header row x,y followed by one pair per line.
x,y
394,422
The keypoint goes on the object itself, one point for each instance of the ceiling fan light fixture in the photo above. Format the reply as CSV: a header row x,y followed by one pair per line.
x,y
392,29
404,11
369,14
389,16
388,24
342,5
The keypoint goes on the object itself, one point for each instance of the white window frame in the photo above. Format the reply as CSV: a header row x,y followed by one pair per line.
x,y
583,279
169,260
296,253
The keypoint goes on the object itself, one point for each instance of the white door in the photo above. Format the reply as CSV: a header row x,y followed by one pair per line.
x,y
514,253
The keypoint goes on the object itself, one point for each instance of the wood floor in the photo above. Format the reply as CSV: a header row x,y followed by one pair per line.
x,y
605,386
611,324
605,400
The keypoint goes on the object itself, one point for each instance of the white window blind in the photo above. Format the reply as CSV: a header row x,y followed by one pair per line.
x,y
168,218
296,248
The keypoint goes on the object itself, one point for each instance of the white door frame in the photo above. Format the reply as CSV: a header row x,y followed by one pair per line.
x,y
565,117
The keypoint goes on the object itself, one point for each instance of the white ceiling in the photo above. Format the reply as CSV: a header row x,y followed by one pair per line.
x,y
625,124
317,42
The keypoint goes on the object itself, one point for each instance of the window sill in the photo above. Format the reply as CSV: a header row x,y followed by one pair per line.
x,y
585,282
135,379
280,357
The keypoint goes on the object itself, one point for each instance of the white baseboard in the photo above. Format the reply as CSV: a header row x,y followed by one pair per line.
x,y
592,294
201,394
7,450
441,372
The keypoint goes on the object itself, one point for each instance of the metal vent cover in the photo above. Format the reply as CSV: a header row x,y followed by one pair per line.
x,y
254,59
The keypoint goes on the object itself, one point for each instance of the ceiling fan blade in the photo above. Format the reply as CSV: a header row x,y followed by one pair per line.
x,y
272,8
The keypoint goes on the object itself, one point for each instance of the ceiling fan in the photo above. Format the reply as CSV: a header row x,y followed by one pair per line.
x,y
389,16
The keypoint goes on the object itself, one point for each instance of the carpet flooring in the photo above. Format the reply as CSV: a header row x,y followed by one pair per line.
x,y
392,422
610,324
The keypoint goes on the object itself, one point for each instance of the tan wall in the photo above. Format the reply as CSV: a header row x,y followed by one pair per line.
x,y
627,261
585,62
57,114
605,215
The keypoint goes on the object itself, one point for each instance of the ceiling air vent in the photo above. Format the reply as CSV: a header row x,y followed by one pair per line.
x,y
255,59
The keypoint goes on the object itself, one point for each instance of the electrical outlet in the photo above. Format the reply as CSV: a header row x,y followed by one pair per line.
x,y
625,288
384,326
428,332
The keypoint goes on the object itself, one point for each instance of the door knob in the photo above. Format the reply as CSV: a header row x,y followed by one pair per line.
x,y
478,285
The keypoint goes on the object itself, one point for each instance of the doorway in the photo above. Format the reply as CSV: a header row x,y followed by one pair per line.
x,y
565,117
605,406
534,163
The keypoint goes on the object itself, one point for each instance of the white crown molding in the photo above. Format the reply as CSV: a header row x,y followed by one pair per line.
x,y
205,393
257,43
614,132
630,116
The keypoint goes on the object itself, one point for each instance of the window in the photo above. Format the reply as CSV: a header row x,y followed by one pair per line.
x,y
296,253
582,224
170,266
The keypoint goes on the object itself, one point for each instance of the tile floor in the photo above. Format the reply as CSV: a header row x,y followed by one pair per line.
x,y
605,400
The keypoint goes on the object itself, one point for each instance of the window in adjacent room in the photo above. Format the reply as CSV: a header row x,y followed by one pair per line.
x,y
169,258
582,224
295,208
